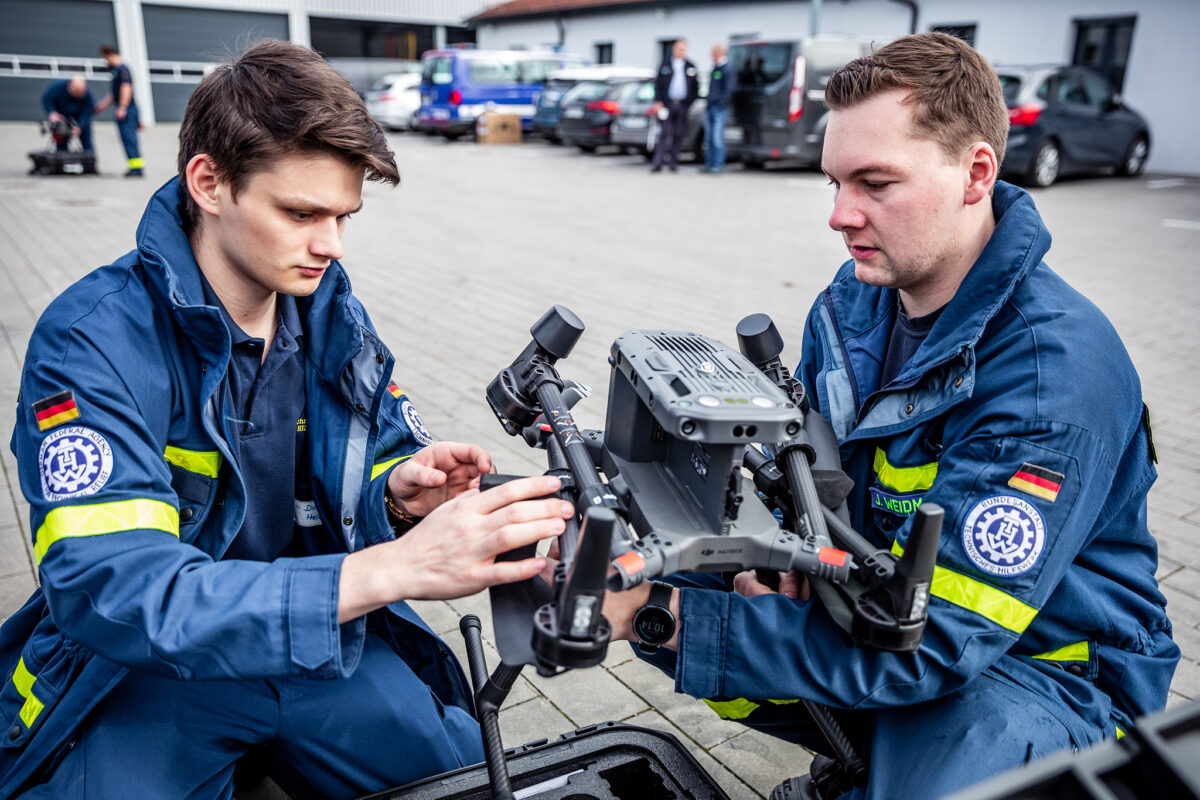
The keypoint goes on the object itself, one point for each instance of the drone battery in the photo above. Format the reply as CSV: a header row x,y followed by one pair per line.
x,y
52,162
609,761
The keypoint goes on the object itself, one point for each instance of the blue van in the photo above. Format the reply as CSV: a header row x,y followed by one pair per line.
x,y
459,85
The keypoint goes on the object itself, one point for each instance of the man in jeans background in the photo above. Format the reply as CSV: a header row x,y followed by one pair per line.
x,y
716,114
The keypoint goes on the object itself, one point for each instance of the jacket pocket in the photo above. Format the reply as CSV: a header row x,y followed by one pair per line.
x,y
196,493
35,686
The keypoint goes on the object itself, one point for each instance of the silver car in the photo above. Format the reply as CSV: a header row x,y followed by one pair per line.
x,y
636,130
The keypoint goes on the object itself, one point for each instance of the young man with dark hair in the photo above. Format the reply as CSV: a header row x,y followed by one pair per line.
x,y
956,368
230,496
126,111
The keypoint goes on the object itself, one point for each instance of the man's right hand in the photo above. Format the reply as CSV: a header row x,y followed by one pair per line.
x,y
56,117
452,552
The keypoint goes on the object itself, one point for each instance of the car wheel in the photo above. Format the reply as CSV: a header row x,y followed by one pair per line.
x,y
451,136
1046,164
1135,157
587,148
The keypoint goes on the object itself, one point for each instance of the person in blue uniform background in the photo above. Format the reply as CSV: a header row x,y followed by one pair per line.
x,y
126,111
956,368
231,495
70,100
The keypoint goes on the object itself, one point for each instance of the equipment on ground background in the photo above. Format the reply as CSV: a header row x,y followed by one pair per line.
x,y
665,489
53,161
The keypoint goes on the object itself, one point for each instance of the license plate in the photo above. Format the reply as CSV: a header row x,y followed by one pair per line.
x,y
633,123
441,113
574,112
733,134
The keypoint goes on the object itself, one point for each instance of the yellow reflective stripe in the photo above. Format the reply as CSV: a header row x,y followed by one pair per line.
x,y
201,462
24,681
137,163
987,601
904,479
1120,733
1070,652
784,702
384,466
732,709
65,522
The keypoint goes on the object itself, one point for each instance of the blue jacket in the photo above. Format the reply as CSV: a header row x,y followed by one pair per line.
x,y
720,85
1021,415
57,98
134,495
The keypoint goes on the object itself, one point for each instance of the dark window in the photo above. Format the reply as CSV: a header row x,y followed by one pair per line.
x,y
438,71
964,32
760,64
604,52
1103,45
1070,90
664,49
1011,85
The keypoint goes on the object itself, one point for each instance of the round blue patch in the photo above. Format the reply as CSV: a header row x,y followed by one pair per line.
x,y
74,462
1004,535
415,424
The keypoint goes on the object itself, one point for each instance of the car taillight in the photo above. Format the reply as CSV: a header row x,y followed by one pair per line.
x,y
455,97
796,95
1025,115
609,106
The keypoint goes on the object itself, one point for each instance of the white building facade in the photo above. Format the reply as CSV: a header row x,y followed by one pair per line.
x,y
1146,45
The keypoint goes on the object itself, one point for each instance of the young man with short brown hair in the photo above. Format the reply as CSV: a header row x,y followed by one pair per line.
x,y
956,368
219,465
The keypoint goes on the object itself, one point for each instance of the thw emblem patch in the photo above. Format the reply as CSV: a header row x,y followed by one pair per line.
x,y
1004,535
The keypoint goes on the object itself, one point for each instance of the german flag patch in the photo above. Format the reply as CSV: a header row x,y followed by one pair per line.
x,y
1037,481
55,410
395,390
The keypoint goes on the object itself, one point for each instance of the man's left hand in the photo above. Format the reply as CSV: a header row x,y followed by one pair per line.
x,y
435,474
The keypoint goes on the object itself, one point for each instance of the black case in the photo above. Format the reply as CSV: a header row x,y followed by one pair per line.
x,y
1156,760
52,162
608,761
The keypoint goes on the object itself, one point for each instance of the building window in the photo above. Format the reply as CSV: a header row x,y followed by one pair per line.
x,y
664,48
964,32
604,52
1103,45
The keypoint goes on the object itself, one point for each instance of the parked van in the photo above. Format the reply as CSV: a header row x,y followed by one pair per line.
x,y
778,107
459,85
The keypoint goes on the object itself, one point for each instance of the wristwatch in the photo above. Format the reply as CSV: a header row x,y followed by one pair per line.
x,y
654,624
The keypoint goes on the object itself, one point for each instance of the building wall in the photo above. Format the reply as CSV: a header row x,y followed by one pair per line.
x,y
1160,81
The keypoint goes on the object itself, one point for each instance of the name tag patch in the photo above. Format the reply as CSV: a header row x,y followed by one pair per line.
x,y
306,514
900,504
1004,535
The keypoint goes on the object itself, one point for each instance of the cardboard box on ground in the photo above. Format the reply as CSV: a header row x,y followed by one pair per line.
x,y
492,127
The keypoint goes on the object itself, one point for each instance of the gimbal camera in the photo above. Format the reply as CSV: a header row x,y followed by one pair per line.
x,y
677,483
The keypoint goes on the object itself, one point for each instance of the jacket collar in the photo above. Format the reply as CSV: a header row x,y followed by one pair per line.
x,y
328,316
1016,246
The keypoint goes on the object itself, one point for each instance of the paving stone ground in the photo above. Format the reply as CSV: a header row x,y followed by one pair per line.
x,y
478,241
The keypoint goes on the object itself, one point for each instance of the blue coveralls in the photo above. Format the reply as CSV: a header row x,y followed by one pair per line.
x,y
1021,415
145,665
77,109
128,127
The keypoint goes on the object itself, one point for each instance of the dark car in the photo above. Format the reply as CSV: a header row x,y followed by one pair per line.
x,y
1068,119
549,103
636,130
588,111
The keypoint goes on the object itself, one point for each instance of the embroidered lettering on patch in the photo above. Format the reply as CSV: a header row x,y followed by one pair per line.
x,y
74,462
1004,535
56,409
1037,481
902,505
409,411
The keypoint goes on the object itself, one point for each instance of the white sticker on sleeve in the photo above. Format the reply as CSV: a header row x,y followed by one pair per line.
x,y
74,462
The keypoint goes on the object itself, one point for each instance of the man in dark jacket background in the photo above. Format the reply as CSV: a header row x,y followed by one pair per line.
x,y
675,89
70,101
716,113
